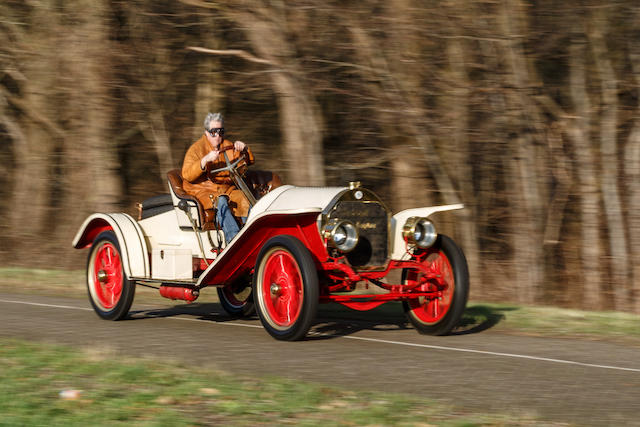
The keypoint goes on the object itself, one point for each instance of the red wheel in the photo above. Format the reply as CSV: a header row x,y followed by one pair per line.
x,y
450,281
283,292
236,300
286,288
110,293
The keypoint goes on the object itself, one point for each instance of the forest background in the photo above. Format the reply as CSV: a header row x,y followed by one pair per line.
x,y
528,112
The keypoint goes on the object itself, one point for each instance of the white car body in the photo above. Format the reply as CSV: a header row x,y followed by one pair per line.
x,y
300,246
169,242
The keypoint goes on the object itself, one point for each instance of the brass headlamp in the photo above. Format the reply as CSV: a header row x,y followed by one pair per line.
x,y
341,234
419,231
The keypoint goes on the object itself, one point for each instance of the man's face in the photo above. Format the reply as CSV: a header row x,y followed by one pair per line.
x,y
214,133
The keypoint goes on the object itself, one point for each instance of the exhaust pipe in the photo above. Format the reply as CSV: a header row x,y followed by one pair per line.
x,y
179,292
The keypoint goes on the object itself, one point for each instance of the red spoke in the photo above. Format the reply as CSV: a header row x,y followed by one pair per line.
x,y
433,310
278,306
291,303
108,263
281,288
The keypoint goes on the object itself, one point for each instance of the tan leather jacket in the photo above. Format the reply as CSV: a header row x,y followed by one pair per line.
x,y
207,188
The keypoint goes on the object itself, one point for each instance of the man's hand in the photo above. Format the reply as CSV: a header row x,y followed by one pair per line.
x,y
239,146
210,157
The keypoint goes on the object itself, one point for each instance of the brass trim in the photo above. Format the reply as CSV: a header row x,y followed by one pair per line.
x,y
139,208
329,231
409,228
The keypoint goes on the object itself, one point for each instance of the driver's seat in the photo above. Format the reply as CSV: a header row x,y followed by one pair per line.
x,y
260,182
205,217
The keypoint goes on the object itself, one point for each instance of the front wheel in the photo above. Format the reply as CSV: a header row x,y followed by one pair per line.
x,y
285,288
110,292
447,266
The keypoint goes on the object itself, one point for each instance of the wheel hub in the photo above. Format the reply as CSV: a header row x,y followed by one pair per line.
x,y
275,289
102,276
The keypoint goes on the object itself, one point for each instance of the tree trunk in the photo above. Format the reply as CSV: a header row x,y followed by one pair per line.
x,y
632,175
458,100
209,93
156,131
408,116
528,200
407,180
300,122
561,169
91,163
591,256
609,167
29,208
97,131
300,118
410,181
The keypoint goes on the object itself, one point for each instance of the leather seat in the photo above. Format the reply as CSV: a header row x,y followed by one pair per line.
x,y
260,182
208,216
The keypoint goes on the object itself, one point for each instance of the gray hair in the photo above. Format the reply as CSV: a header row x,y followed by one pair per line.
x,y
213,117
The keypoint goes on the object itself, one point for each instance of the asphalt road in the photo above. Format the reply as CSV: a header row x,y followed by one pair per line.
x,y
574,381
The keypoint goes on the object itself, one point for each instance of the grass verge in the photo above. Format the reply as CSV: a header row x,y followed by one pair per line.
x,y
57,282
42,384
553,321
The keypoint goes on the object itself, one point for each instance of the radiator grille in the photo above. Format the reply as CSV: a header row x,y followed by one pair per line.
x,y
371,220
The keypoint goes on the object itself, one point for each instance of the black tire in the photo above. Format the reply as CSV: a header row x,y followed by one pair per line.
x,y
286,307
457,268
110,292
237,301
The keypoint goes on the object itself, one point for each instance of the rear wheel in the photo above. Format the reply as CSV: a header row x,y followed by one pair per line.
x,y
285,288
448,267
237,300
110,292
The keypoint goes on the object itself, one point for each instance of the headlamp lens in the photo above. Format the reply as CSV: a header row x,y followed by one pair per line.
x,y
419,231
342,235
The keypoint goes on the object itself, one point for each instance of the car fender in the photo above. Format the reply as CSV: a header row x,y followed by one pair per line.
x,y
398,248
132,243
240,256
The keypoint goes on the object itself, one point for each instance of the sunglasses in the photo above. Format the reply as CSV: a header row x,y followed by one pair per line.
x,y
215,131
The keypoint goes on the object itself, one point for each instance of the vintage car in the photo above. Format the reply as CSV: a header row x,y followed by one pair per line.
x,y
300,246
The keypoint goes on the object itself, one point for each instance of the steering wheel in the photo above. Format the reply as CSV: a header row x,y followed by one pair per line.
x,y
234,172
231,166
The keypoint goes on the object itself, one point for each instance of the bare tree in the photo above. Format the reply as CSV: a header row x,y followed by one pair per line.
x,y
34,133
591,254
632,174
609,158
265,26
406,110
528,159
89,59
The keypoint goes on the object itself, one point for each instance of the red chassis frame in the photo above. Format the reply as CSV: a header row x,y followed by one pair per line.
x,y
429,283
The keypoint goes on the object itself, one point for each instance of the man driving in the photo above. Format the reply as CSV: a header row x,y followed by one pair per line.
x,y
216,190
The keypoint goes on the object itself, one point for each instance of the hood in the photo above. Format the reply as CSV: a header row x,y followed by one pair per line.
x,y
289,197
